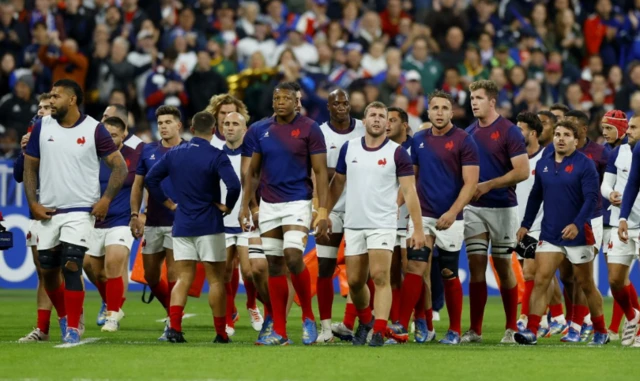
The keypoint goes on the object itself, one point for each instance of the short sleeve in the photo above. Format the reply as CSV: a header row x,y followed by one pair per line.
x,y
33,146
414,152
104,143
611,163
469,152
248,142
141,168
341,166
404,167
317,144
515,142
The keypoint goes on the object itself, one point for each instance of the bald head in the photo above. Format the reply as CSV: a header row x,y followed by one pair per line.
x,y
338,93
234,127
116,110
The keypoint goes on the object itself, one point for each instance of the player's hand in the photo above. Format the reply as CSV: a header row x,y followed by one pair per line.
x,y
521,233
24,141
320,224
615,198
169,204
570,232
418,240
244,218
223,208
100,209
445,221
137,226
481,190
623,231
40,212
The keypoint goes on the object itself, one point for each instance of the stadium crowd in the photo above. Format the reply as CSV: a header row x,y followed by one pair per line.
x,y
397,74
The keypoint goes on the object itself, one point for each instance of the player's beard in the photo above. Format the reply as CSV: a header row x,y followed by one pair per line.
x,y
60,113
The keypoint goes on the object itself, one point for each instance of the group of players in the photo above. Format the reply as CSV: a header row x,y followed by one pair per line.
x,y
252,196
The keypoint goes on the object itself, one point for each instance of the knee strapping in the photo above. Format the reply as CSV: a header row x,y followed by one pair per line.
x,y
272,246
49,259
448,262
72,257
477,246
295,239
419,255
255,250
327,251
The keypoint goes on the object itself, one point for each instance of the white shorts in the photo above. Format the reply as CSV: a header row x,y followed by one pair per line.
x,y
206,248
575,254
597,225
74,228
337,222
101,238
156,239
284,213
236,239
501,224
32,234
362,240
623,253
606,238
401,238
449,240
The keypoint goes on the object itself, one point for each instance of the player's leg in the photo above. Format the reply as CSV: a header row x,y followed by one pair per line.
x,y
272,244
597,225
380,268
153,257
184,267
94,263
396,279
448,262
558,322
43,303
125,279
476,236
260,274
327,252
583,269
437,285
212,254
529,273
423,314
118,241
357,263
548,258
247,276
230,265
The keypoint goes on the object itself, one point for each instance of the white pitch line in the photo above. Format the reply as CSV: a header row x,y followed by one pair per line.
x,y
185,316
82,342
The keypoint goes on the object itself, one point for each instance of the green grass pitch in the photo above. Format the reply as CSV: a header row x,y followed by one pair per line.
x,y
134,353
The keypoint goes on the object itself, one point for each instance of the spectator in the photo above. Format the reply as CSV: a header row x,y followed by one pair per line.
x,y
615,78
187,59
143,58
530,98
574,98
542,28
553,87
116,72
350,20
634,104
447,16
280,21
624,97
17,108
358,103
64,59
9,148
391,85
305,53
430,69
484,19
502,58
164,87
370,30
78,23
203,83
600,32
391,16
261,40
205,17
454,85
570,39
352,70
517,78
600,96
250,13
374,62
503,102
13,34
471,68
133,15
452,52
325,65
43,13
7,67
314,19
219,61
186,21
401,100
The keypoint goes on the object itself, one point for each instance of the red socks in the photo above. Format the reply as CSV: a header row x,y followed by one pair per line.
x,y
252,293
599,324
302,285
372,292
365,316
579,313
453,299
419,312
44,317
616,317
533,323
115,289
380,326
324,288
411,290
279,293
394,313
510,303
478,300
102,289
230,303
528,289
350,315
175,316
556,310
57,299
219,325
623,298
73,301
170,286
161,292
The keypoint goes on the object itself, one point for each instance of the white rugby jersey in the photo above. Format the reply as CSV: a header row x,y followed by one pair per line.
x,y
70,162
403,214
334,140
621,160
218,140
524,188
372,183
231,220
133,141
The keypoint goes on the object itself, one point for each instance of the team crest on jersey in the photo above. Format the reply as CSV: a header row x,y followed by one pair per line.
x,y
449,145
128,162
29,236
295,133
533,173
625,170
590,156
610,245
495,135
81,141
569,168
382,162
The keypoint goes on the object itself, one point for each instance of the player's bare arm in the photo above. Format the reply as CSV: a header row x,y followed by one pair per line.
x,y
408,188
470,176
136,224
30,180
119,172
520,172
245,162
336,187
319,166
250,178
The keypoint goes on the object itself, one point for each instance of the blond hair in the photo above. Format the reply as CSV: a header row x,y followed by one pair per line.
x,y
217,101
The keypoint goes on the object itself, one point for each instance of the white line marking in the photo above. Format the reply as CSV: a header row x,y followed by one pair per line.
x,y
82,342
185,316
